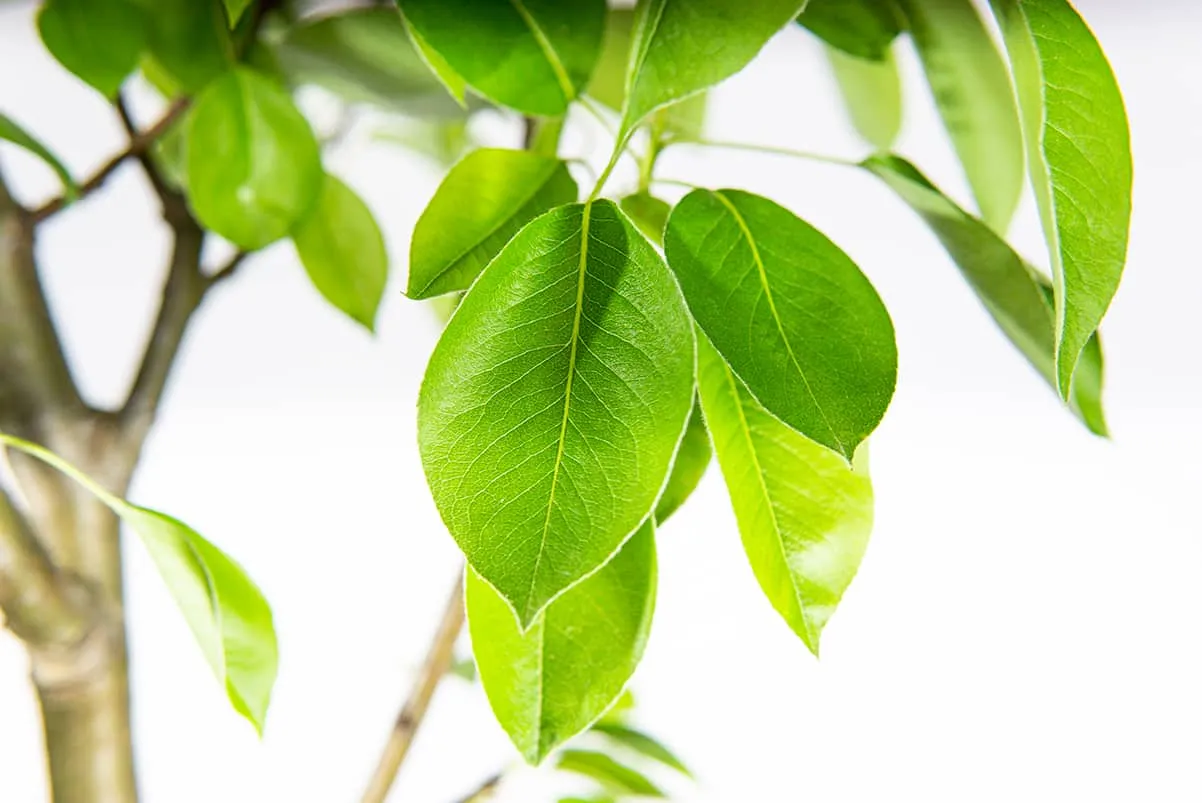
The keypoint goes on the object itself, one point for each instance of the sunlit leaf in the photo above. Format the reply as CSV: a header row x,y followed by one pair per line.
x,y
649,213
861,28
692,459
614,776
872,94
10,131
446,74
641,743
100,41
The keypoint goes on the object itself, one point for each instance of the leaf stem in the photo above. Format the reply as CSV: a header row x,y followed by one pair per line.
x,y
768,149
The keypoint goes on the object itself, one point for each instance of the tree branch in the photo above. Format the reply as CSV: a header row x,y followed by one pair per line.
x,y
486,789
138,146
409,720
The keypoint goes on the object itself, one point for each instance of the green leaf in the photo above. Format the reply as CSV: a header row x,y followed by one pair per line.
x,y
1078,159
443,71
615,777
481,204
234,9
643,744
649,213
554,402
872,94
189,40
791,313
804,516
253,166
14,133
692,459
684,46
100,41
343,252
227,613
1018,298
531,55
861,28
552,681
464,669
972,91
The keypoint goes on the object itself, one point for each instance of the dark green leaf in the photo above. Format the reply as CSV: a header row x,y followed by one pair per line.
x,y
692,459
535,56
861,28
189,40
11,132
649,213
804,515
234,10
225,610
684,46
549,683
972,90
481,204
1079,161
253,165
100,41
791,313
872,93
343,252
446,75
617,778
642,743
1018,298
554,402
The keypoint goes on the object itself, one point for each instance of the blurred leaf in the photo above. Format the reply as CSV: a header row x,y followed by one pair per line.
x,y
872,94
11,132
464,669
227,613
100,41
649,213
692,459
343,252
616,777
861,28
189,40
643,744
444,141
170,152
253,166
234,10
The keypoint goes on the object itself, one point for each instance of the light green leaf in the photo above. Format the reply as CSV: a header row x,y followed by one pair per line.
x,y
234,9
804,516
643,744
649,213
464,668
343,252
100,41
225,610
1079,161
872,94
684,46
861,28
481,204
10,131
692,459
554,402
445,74
535,56
552,681
1018,298
253,165
791,313
189,40
615,777
972,91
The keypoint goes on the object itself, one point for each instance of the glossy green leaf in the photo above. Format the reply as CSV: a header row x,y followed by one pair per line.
x,y
791,313
972,91
481,204
225,610
872,94
804,515
684,46
365,56
443,71
10,131
234,9
100,41
1018,298
1079,161
343,252
253,165
535,56
861,28
692,459
552,681
641,743
553,404
614,776
189,40
649,213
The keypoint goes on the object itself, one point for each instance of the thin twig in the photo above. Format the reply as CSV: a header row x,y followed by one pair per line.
x,y
137,146
433,670
173,201
485,790
768,149
227,270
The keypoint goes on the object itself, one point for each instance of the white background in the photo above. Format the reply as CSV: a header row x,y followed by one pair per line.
x,y
1024,627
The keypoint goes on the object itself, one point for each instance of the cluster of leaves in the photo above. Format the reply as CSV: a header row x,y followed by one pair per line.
x,y
603,348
